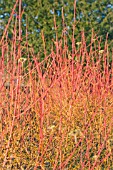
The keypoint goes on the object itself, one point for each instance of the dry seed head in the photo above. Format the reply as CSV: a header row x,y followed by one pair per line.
x,y
94,39
22,59
101,51
51,127
78,43
73,135
77,132
95,157
69,57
